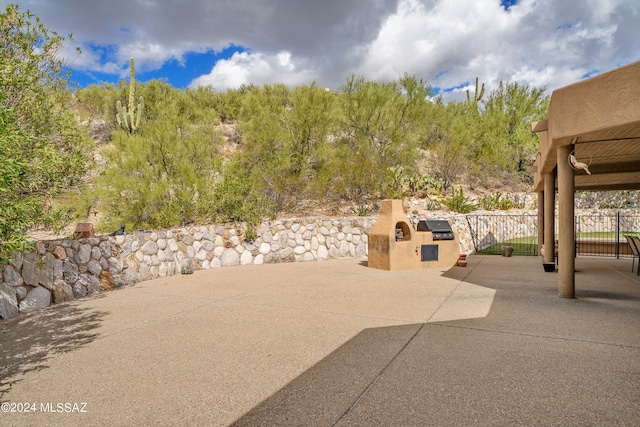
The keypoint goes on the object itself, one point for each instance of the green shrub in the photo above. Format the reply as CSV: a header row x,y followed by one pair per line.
x,y
236,199
498,201
459,203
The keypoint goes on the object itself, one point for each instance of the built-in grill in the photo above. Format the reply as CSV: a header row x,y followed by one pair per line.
x,y
393,244
440,229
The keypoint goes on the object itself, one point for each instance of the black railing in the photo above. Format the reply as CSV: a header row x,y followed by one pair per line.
x,y
492,231
603,234
596,234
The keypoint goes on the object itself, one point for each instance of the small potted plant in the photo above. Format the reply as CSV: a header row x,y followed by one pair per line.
x,y
507,250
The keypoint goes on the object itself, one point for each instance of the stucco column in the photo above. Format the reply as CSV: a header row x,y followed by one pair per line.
x,y
540,221
549,213
566,229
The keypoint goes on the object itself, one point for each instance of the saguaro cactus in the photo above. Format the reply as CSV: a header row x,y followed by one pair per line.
x,y
477,96
129,119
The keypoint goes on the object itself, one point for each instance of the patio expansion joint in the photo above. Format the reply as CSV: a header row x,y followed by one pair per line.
x,y
453,290
529,335
377,377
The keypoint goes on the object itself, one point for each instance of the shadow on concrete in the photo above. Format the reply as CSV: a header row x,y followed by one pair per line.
x,y
28,341
599,294
535,359
328,390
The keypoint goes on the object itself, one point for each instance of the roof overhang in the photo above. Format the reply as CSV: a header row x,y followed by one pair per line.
x,y
600,117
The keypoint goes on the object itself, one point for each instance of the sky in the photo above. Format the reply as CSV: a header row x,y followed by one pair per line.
x,y
446,43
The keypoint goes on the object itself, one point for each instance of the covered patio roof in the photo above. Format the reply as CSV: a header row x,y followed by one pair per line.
x,y
597,120
600,116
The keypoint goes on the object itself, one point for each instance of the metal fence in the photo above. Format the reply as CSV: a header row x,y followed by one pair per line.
x,y
599,234
603,234
491,231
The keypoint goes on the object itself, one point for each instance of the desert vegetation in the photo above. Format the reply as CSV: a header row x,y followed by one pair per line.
x,y
149,155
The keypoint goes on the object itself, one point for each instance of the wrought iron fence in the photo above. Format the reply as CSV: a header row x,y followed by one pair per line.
x,y
603,234
600,234
492,231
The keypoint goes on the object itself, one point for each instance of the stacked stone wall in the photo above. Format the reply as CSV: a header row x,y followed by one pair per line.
x,y
62,270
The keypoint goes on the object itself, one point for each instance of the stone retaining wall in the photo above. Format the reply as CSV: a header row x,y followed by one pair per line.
x,y
62,270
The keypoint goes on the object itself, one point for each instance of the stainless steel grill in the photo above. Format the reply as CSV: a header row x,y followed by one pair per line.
x,y
440,229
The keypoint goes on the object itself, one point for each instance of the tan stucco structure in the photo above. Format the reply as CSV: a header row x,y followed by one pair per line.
x,y
388,253
598,121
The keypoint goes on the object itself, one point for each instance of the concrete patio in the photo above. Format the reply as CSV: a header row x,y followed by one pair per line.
x,y
336,343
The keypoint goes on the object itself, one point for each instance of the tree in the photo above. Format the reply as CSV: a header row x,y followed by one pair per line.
x,y
42,150
285,132
451,139
162,175
507,117
378,131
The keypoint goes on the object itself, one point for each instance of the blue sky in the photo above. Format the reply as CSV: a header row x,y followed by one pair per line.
x,y
179,73
447,43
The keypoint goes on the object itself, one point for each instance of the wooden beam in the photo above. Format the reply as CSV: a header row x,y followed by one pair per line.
x,y
607,187
608,168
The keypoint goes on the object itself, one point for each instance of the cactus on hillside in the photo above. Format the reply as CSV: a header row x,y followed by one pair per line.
x,y
477,96
129,119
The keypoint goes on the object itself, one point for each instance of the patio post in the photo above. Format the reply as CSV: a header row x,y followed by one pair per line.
x,y
549,216
566,228
540,221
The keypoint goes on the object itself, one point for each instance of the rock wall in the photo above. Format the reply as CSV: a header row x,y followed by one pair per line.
x,y
62,270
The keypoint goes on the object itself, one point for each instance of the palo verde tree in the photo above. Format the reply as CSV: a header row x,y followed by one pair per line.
x,y
42,150
285,133
378,130
508,113
162,175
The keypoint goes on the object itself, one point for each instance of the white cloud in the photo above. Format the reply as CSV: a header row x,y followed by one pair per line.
x,y
445,42
543,43
244,68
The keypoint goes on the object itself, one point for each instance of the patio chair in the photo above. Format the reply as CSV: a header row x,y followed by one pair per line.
x,y
634,244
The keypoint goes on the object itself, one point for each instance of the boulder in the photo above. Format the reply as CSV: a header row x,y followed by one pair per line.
x,y
11,276
94,267
69,271
59,252
246,258
30,269
107,282
93,285
229,258
79,289
130,276
62,291
323,253
150,248
36,299
273,258
8,302
58,272
105,248
119,281
115,265
21,292
265,248
96,254
84,254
